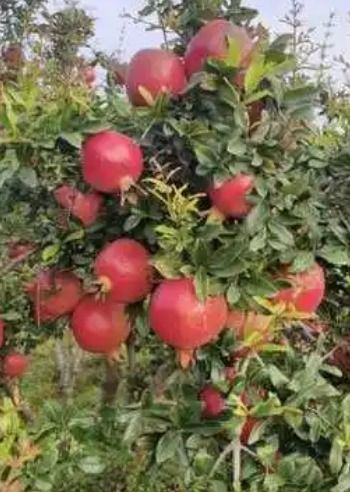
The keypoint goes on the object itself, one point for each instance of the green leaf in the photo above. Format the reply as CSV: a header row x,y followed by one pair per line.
x,y
74,139
132,222
167,447
50,252
254,74
237,147
335,254
217,486
257,218
336,455
28,177
278,379
281,233
92,465
233,294
75,236
303,261
201,283
234,53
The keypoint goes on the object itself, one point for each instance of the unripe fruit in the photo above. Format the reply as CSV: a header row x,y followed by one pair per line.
x,y
211,41
100,326
124,269
156,71
15,365
213,402
111,162
231,197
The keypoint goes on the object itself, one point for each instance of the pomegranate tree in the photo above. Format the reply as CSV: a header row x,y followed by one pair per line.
x,y
111,162
152,72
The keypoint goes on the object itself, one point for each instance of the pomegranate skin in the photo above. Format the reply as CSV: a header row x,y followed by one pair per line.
x,y
100,326
211,42
15,365
85,207
2,329
54,294
213,403
230,198
307,289
124,267
156,70
111,162
181,319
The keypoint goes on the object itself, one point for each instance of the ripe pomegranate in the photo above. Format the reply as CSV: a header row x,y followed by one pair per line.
x,y
211,41
111,162
100,326
230,198
157,71
213,402
307,289
15,365
247,429
182,320
125,271
89,76
2,337
19,250
54,294
84,207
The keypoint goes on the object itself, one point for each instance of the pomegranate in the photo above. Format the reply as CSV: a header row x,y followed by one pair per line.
x,y
182,320
213,402
84,207
100,326
54,294
230,198
157,71
15,365
211,41
2,329
111,162
89,76
125,271
307,289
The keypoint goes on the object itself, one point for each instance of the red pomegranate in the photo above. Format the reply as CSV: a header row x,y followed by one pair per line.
x,y
211,41
2,329
247,429
182,320
100,326
157,71
307,289
85,207
124,269
19,250
89,76
54,294
111,162
213,402
230,198
15,365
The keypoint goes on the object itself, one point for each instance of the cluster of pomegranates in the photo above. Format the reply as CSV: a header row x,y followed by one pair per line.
x,y
112,163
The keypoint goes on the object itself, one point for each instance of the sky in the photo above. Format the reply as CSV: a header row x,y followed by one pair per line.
x,y
111,27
